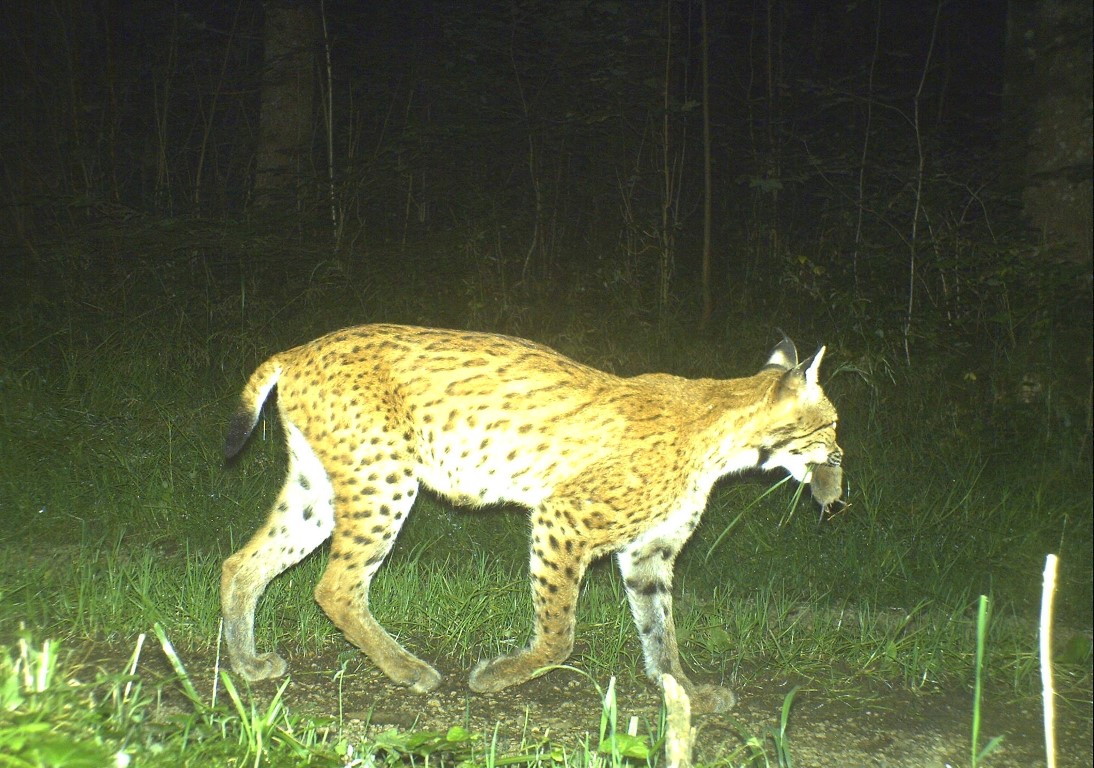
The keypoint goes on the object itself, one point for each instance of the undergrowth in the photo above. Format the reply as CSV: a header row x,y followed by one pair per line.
x,y
117,512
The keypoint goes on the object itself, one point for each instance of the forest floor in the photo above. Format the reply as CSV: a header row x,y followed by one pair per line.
x,y
870,727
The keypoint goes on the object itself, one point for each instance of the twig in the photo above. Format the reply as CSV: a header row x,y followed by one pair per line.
x,y
866,144
329,110
208,129
918,184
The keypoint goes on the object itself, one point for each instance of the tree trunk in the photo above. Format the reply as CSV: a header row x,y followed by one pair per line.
x,y
1047,101
708,303
291,37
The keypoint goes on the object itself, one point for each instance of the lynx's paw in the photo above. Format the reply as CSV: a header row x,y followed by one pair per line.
x,y
708,699
260,667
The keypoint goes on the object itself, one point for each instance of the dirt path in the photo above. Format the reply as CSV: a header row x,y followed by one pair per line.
x,y
890,729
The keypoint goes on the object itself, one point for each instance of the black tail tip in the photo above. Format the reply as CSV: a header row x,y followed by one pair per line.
x,y
238,431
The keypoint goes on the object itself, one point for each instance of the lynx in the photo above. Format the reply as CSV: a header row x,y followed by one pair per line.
x,y
604,464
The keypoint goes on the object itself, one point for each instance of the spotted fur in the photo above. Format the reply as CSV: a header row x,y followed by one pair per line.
x,y
605,464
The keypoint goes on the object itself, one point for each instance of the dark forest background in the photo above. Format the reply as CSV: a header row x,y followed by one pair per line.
x,y
645,185
908,179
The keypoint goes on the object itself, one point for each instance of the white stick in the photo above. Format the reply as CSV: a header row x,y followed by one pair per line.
x,y
1048,693
679,735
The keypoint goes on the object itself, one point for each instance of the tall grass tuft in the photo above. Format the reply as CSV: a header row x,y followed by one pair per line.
x,y
982,620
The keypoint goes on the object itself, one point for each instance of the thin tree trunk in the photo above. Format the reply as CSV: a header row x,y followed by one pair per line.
x,y
704,320
667,245
291,36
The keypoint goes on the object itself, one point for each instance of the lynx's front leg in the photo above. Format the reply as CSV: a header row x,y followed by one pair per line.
x,y
557,565
646,567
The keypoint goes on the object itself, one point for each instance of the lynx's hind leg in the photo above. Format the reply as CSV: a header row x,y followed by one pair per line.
x,y
373,496
302,518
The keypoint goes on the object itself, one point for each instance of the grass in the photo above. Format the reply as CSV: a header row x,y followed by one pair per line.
x,y
476,609
117,513
49,717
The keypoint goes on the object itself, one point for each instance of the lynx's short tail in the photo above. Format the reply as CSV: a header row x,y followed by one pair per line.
x,y
254,395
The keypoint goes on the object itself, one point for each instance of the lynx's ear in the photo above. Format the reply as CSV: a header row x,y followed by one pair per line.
x,y
813,367
784,356
801,379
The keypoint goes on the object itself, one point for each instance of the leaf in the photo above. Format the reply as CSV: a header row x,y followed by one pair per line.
x,y
995,743
625,745
59,751
718,640
458,734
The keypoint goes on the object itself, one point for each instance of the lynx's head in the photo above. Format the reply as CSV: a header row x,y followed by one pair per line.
x,y
800,435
